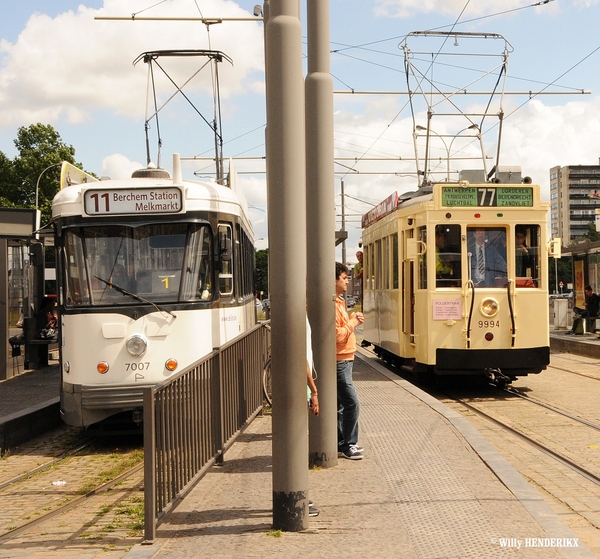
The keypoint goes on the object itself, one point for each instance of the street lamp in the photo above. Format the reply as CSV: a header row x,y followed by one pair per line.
x,y
478,136
37,184
419,128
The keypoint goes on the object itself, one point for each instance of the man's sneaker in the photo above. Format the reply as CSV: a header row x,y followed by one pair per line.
x,y
352,454
358,448
313,511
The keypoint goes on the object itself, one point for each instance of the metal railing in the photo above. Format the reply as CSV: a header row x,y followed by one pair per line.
x,y
191,419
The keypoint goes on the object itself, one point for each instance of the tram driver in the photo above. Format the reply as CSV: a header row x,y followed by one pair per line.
x,y
488,268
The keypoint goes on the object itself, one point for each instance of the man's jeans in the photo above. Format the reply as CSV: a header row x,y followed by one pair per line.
x,y
348,406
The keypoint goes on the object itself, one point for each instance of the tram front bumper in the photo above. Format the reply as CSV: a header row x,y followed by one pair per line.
x,y
515,362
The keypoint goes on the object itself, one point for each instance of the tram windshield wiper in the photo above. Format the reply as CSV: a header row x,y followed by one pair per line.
x,y
134,296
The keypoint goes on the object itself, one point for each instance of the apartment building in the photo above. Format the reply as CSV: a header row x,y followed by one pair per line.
x,y
574,195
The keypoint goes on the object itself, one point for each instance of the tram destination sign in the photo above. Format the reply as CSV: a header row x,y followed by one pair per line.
x,y
487,196
133,201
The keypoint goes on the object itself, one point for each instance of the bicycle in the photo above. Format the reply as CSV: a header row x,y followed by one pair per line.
x,y
266,380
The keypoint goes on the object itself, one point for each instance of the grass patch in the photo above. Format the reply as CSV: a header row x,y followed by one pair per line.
x,y
123,463
274,533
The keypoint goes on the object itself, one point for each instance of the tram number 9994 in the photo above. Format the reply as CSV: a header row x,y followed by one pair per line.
x,y
143,366
489,324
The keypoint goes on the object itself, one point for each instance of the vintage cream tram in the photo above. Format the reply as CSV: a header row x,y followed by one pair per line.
x,y
456,279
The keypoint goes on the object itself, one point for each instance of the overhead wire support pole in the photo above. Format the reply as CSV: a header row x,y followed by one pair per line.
x,y
463,92
205,20
286,196
320,234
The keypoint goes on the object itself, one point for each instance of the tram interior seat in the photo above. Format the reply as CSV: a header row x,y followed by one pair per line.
x,y
524,282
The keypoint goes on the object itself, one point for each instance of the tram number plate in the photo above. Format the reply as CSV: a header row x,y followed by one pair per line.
x,y
488,324
143,366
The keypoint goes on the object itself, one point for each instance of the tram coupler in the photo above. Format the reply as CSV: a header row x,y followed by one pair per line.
x,y
497,378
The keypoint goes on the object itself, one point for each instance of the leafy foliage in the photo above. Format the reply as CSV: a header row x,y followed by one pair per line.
x,y
35,168
262,271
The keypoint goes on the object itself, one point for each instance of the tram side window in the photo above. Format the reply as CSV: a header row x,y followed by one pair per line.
x,y
378,260
386,263
447,256
370,282
197,282
225,260
395,261
527,254
422,236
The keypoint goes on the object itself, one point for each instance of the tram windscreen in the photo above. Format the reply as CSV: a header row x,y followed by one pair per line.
x,y
110,265
487,256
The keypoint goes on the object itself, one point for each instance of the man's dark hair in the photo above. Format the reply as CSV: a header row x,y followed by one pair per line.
x,y
588,288
521,229
339,268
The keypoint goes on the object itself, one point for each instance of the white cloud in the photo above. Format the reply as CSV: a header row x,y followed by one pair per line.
x,y
453,8
70,65
117,166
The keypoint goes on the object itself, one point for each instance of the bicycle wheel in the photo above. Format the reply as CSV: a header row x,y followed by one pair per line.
x,y
267,386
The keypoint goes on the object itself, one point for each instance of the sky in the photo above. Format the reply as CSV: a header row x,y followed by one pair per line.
x,y
60,66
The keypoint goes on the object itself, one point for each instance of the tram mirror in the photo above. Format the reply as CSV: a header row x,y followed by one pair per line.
x,y
554,248
225,248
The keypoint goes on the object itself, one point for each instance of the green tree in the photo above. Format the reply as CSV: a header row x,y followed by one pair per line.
x,y
40,152
7,183
262,271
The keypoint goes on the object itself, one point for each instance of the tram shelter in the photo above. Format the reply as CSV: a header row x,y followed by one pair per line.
x,y
21,288
585,258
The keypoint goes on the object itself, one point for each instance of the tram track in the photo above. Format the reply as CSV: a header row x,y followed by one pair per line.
x,y
46,465
536,444
77,490
18,530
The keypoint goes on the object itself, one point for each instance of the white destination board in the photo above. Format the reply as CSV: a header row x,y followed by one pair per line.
x,y
133,201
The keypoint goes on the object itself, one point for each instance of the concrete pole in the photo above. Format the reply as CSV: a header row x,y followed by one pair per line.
x,y
286,198
343,197
320,221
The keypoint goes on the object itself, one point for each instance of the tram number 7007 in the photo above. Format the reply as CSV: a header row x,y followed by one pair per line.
x,y
488,324
143,366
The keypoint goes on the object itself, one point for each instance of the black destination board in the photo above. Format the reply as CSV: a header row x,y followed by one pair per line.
x,y
487,196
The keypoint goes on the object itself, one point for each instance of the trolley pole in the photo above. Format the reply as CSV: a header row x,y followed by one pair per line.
x,y
320,221
286,197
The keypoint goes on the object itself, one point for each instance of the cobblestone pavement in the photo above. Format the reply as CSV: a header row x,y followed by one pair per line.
x,y
421,491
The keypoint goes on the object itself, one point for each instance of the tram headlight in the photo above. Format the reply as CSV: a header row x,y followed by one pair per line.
x,y
489,307
137,345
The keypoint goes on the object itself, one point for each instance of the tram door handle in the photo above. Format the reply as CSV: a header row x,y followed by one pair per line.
x,y
415,248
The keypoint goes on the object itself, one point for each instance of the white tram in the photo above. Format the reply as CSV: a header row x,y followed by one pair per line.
x,y
154,272
431,305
